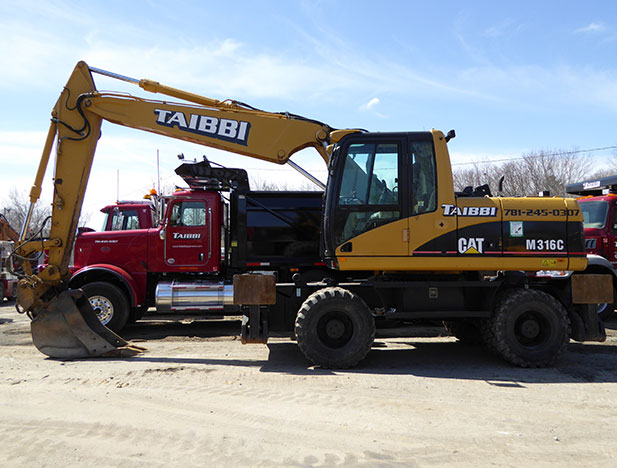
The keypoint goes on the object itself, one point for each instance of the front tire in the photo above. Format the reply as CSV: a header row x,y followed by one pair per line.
x,y
529,328
334,328
109,304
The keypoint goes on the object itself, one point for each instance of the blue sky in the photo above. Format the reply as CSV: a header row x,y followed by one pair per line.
x,y
510,77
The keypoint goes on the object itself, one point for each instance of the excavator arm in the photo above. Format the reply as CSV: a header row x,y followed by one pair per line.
x,y
76,128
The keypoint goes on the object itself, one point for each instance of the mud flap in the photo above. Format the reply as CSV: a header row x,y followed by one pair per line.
x,y
251,291
254,325
69,329
586,326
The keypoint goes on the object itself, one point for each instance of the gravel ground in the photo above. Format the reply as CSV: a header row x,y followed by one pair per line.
x,y
198,397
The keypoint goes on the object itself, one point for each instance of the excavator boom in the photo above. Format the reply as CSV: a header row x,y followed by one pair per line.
x,y
76,128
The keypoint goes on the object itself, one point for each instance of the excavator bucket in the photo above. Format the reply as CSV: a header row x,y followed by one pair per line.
x,y
69,329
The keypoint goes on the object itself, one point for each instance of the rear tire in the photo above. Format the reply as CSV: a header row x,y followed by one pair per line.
x,y
109,303
529,328
334,328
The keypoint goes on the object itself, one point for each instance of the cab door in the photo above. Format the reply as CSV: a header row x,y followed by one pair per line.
x,y
369,216
188,236
432,233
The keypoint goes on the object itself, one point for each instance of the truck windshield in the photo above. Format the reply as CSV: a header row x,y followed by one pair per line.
x,y
594,214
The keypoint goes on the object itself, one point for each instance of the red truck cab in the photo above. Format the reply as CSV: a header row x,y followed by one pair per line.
x,y
187,240
599,206
600,221
598,202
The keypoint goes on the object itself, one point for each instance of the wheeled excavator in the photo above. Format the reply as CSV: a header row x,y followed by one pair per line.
x,y
405,245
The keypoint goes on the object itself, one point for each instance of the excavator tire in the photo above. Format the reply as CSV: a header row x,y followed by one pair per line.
x,y
529,328
334,328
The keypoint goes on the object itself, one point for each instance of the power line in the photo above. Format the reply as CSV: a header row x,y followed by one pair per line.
x,y
560,153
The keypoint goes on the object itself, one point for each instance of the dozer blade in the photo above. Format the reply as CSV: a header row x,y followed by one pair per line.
x,y
69,329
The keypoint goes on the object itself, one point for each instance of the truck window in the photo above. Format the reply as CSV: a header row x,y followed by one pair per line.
x,y
188,213
594,214
369,195
123,220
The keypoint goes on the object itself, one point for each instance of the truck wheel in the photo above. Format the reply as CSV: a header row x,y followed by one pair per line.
x,y
465,330
529,328
335,328
605,311
109,304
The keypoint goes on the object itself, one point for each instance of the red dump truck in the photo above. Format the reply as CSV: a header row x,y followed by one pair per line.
x,y
179,253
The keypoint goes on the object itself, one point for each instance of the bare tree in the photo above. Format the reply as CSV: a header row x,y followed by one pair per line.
x,y
15,208
272,186
611,170
532,173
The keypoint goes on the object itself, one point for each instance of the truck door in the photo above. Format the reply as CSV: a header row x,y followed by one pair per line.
x,y
188,237
611,248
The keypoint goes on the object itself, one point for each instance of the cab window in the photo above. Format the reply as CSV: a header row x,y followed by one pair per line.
x,y
368,196
188,213
424,178
123,220
594,214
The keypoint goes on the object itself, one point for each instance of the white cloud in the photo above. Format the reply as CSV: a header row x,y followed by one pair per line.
x,y
592,28
370,105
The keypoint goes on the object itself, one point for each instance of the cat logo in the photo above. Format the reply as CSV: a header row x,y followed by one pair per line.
x,y
473,245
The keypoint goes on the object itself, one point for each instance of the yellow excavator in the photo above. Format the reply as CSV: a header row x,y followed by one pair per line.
x,y
404,245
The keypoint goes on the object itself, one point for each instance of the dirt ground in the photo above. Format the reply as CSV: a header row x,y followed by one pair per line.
x,y
198,397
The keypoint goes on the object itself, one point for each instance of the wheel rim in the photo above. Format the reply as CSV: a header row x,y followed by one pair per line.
x,y
335,329
602,308
103,308
532,329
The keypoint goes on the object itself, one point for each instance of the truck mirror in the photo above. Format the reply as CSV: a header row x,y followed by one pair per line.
x,y
163,233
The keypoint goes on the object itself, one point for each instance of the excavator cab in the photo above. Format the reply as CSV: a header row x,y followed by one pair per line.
x,y
378,181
